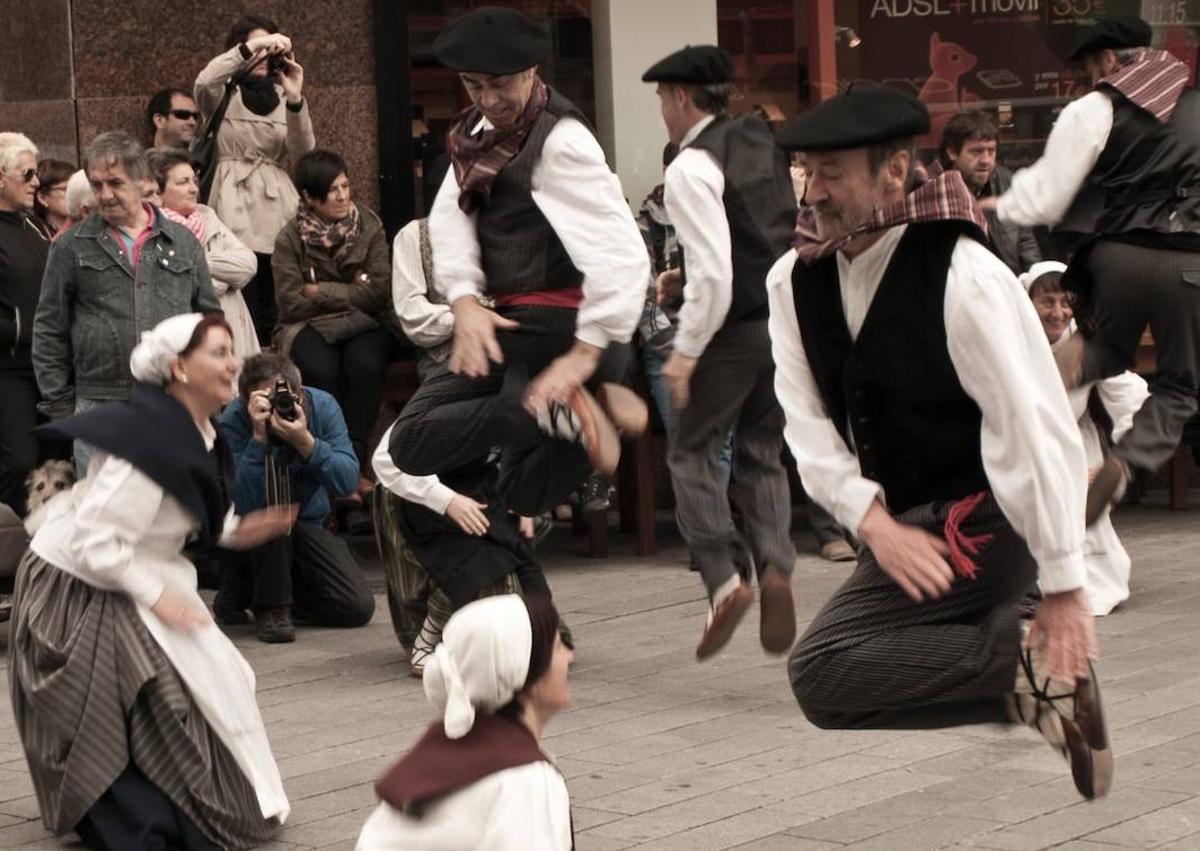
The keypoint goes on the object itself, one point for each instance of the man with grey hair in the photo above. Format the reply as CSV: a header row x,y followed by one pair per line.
x,y
115,275
730,198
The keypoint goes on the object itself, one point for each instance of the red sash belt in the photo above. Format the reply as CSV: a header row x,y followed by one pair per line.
x,y
569,297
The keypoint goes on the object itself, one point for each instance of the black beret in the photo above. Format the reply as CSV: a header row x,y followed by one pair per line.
x,y
864,115
491,40
701,64
1114,33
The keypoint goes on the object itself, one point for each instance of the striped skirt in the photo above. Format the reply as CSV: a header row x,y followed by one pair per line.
x,y
94,694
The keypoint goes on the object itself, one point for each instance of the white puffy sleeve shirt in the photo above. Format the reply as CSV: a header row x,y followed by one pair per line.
x,y
582,199
525,808
1030,443
423,490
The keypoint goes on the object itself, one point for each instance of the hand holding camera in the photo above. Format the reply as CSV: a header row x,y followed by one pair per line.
x,y
277,412
281,63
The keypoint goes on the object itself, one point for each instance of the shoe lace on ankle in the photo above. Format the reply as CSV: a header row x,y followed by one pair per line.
x,y
558,420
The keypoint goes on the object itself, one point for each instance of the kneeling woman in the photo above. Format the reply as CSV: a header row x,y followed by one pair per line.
x,y
478,779
137,715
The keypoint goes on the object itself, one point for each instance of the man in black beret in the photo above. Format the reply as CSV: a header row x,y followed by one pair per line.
x,y
730,198
531,221
924,410
1121,172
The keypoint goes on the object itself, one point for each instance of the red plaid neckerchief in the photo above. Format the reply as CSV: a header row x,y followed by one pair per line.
x,y
1152,80
336,238
478,159
938,199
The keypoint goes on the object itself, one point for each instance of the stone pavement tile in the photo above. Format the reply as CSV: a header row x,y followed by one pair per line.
x,y
22,808
684,815
585,818
922,747
730,832
1081,819
340,828
25,833
786,842
592,842
318,807
602,780
789,785
1021,804
879,817
859,793
677,787
1157,828
342,777
926,835
1186,780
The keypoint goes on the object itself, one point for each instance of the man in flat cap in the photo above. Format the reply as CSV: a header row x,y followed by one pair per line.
x,y
531,217
924,410
1122,167
730,197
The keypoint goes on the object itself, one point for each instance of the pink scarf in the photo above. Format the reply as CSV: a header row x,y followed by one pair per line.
x,y
197,223
1152,80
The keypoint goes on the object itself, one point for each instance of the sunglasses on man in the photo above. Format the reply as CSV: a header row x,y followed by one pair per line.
x,y
26,175
185,114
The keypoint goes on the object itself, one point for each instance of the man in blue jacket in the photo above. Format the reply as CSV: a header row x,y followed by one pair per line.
x,y
290,445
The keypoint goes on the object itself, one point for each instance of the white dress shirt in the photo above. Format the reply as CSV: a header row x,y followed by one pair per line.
x,y
425,322
582,200
693,188
423,490
1042,193
1030,443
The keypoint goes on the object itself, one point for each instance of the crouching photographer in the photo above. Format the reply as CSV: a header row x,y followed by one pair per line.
x,y
290,445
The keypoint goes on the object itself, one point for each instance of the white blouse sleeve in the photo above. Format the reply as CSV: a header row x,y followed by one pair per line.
x,y
425,324
113,515
828,469
423,490
582,199
1032,451
457,263
1122,396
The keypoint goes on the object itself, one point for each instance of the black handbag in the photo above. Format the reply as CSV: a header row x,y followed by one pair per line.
x,y
204,148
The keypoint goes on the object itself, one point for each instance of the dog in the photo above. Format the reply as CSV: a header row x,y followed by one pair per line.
x,y
41,486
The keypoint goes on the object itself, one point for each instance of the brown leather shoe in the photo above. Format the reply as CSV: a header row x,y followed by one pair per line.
x,y
1069,359
1104,488
837,550
777,612
723,621
626,409
596,432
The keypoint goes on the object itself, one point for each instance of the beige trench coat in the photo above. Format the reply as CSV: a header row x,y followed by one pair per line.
x,y
252,192
231,265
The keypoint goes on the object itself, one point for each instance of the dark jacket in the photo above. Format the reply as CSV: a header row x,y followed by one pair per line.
x,y
92,309
1014,244
347,303
332,466
23,251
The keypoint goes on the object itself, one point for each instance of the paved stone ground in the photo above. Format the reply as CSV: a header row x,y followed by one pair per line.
x,y
662,753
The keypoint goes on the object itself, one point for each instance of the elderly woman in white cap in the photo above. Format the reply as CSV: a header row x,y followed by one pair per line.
x,y
478,779
137,715
1114,399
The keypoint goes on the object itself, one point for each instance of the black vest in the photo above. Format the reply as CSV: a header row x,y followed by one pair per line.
x,y
760,205
1147,179
519,249
915,429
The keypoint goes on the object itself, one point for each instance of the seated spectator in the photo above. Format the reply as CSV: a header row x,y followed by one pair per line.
x,y
86,324
23,249
81,200
50,201
478,778
173,119
230,263
333,282
1105,412
969,145
278,460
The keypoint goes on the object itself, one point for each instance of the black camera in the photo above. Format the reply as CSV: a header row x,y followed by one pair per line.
x,y
283,401
277,64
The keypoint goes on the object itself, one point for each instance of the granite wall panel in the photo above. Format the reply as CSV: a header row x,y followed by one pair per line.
x,y
50,124
35,61
344,120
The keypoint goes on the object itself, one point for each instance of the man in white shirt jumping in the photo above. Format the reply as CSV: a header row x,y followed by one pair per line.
x,y
924,410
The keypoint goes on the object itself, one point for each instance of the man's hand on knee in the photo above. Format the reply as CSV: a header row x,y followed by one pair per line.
x,y
475,344
913,558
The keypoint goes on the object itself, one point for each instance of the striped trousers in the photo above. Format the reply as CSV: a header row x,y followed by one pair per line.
x,y
873,658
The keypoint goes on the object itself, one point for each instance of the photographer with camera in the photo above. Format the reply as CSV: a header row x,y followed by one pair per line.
x,y
267,121
290,445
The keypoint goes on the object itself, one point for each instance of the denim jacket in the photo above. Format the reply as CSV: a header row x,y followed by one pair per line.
x,y
93,309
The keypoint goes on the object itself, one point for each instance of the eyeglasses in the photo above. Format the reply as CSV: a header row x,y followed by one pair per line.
x,y
185,114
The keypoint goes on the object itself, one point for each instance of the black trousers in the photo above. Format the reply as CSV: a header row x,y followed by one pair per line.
x,y
134,815
18,447
453,420
1135,286
353,372
259,294
872,658
310,569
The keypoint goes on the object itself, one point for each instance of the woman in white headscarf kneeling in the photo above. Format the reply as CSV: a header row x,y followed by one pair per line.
x,y
137,716
478,778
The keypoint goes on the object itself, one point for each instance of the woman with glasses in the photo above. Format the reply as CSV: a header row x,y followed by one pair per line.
x,y
50,199
23,250
267,123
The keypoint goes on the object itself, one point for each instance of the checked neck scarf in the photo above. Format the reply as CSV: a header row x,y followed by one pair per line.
x,y
1153,80
478,159
195,222
337,238
940,199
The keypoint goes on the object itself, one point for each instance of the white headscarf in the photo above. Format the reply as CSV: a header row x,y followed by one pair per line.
x,y
1045,267
482,662
151,358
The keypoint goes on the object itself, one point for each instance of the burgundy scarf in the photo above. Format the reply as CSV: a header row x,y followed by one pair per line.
x,y
478,159
1152,80
942,198
337,238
